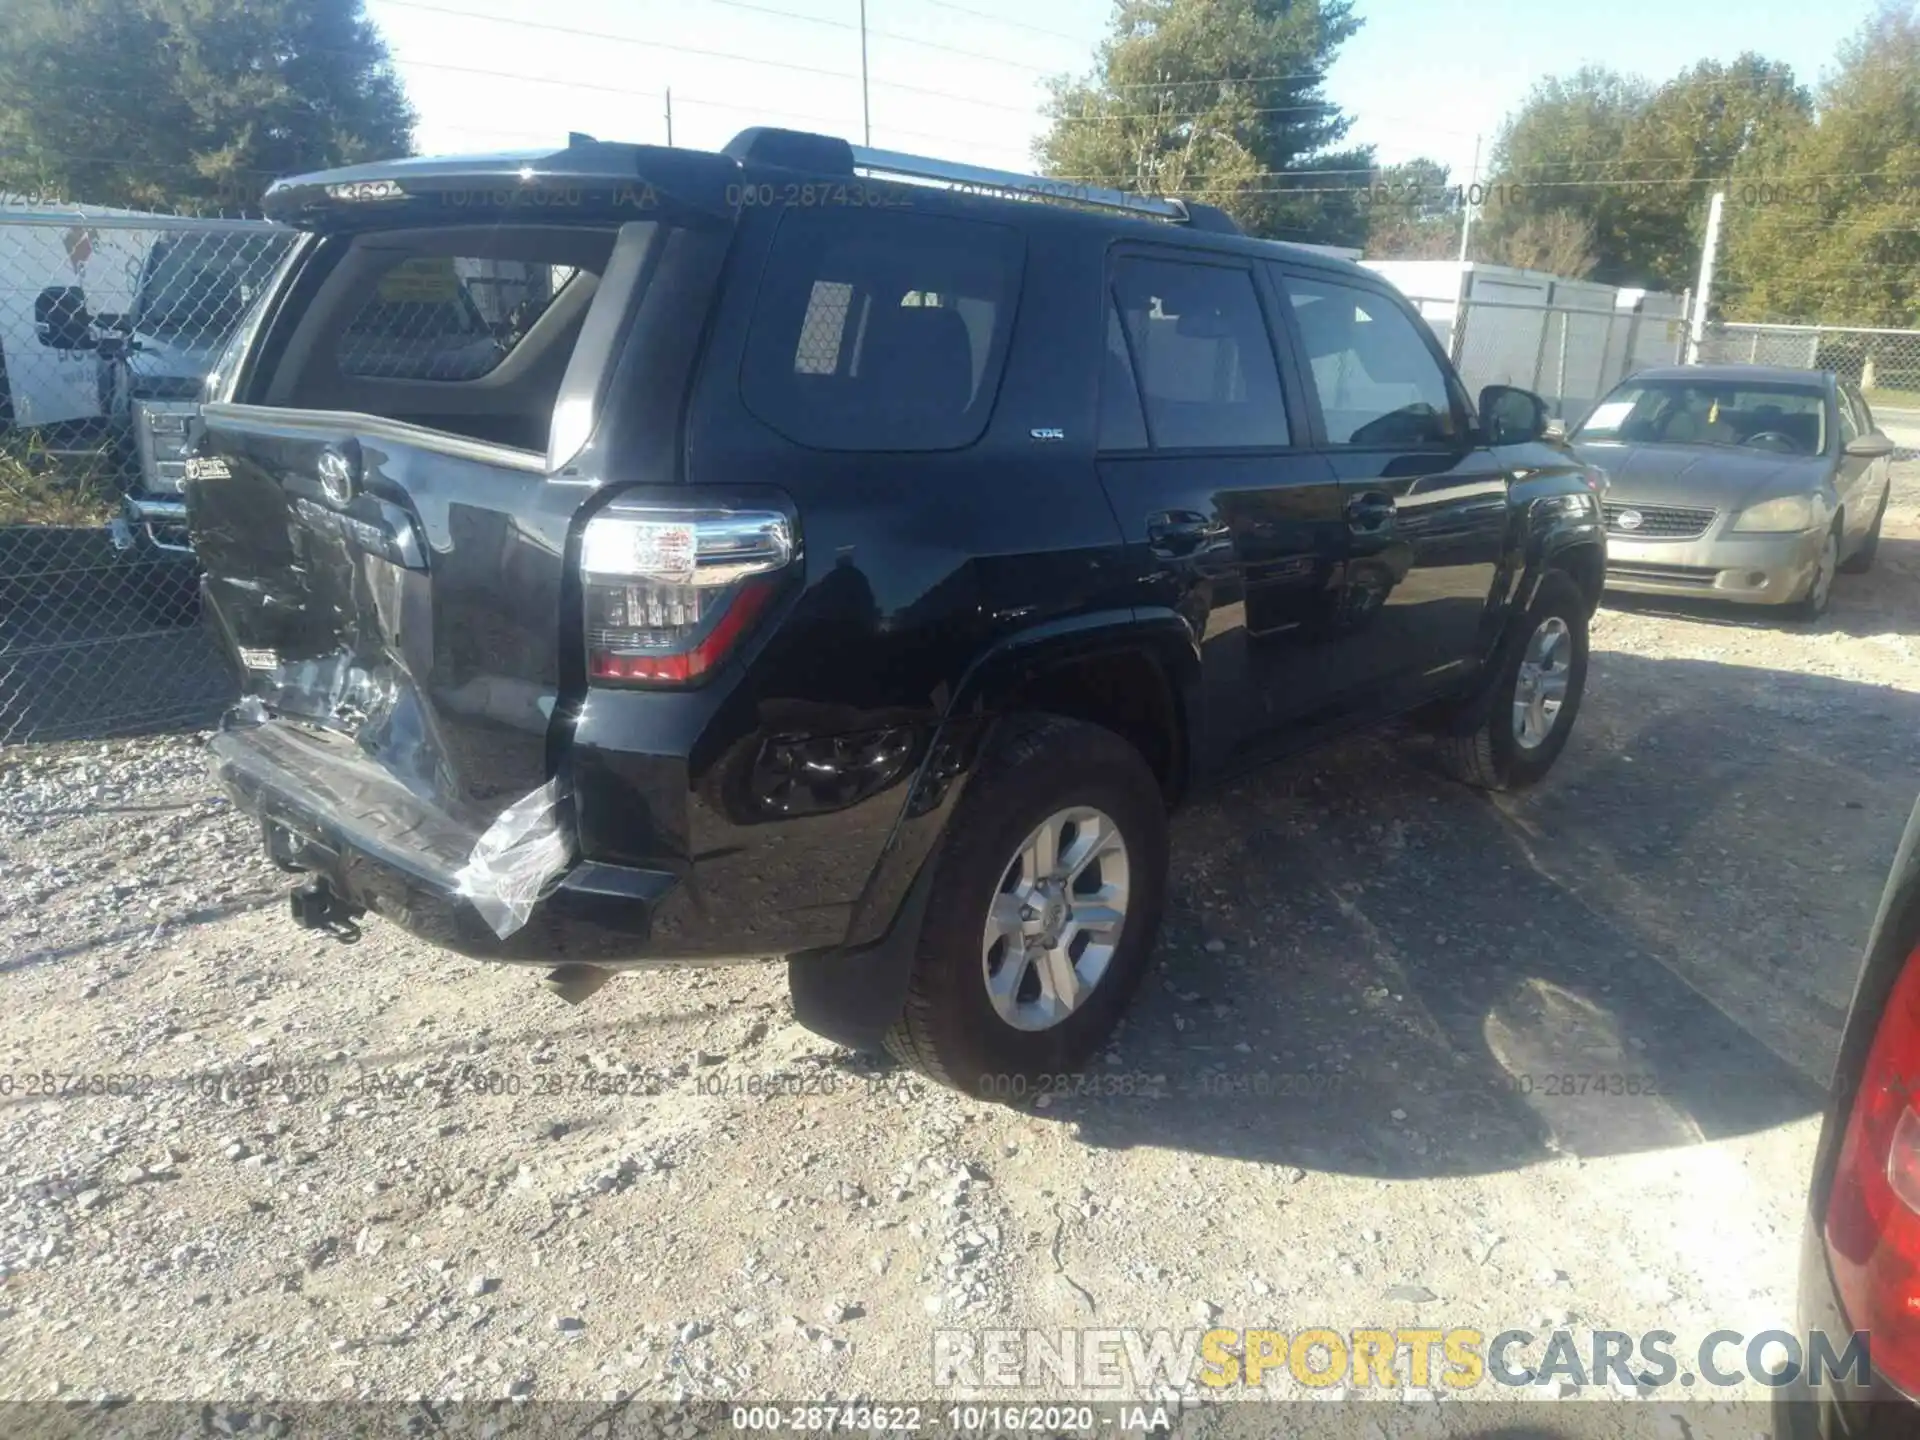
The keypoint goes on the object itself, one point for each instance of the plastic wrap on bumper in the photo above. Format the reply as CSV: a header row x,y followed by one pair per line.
x,y
518,859
328,810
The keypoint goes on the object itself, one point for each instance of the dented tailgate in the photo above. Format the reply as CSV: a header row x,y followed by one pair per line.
x,y
396,586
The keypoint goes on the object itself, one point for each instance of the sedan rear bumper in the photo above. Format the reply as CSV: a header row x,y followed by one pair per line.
x,y
1751,569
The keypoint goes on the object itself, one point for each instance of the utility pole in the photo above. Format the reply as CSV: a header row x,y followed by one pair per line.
x,y
866,108
669,115
1703,292
1467,207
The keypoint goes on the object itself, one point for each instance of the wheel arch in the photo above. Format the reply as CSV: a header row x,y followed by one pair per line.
x,y
1134,673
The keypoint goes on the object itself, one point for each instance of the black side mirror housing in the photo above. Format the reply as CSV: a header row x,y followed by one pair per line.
x,y
1512,416
61,320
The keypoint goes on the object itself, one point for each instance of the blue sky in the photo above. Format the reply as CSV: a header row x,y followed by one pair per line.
x,y
963,78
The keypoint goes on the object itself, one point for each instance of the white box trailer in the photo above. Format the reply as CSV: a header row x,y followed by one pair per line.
x,y
1568,340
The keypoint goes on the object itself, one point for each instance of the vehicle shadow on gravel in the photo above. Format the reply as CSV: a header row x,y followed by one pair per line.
x,y
1368,969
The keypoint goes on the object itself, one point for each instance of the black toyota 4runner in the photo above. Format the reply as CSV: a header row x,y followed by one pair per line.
x,y
851,562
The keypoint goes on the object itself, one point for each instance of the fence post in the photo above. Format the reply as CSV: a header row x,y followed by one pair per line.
x,y
1560,377
1457,338
1540,346
1709,255
1632,347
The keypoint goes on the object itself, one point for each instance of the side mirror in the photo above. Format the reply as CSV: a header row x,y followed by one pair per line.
x,y
1870,447
1512,416
61,320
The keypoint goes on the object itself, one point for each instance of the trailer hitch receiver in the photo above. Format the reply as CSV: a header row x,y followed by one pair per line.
x,y
318,906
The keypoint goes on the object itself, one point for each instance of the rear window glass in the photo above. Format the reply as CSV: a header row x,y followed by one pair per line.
x,y
446,317
882,332
1204,361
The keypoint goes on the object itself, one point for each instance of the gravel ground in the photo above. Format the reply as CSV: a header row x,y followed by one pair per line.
x,y
382,1171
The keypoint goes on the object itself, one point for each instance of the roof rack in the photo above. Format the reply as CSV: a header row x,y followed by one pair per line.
x,y
1011,183
798,149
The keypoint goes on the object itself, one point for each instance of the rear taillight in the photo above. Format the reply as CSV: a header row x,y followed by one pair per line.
x,y
1873,1217
670,590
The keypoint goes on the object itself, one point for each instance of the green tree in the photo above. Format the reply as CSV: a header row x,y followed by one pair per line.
x,y
1701,131
190,104
1413,212
1635,163
1221,100
1568,130
1556,242
1831,232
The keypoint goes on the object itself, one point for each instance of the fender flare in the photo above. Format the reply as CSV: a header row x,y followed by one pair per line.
x,y
854,992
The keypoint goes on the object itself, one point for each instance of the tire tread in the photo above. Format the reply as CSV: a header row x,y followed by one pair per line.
x,y
912,1039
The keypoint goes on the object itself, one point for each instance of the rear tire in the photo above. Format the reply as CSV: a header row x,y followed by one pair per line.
x,y
1535,699
952,1028
1861,561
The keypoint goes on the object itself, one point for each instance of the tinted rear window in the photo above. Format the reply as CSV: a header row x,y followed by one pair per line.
x,y
882,331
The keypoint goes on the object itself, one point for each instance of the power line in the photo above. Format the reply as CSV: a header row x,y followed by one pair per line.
x,y
694,50
1005,20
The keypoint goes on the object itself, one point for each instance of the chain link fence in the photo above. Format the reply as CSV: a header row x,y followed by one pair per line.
x,y
109,323
1570,355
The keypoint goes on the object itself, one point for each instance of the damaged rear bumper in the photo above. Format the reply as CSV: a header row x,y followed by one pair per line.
x,y
327,809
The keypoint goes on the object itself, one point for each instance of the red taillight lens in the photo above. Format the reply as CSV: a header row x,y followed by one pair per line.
x,y
1873,1218
669,591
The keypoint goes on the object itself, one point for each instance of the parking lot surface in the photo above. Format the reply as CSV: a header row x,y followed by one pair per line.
x,y
1409,1056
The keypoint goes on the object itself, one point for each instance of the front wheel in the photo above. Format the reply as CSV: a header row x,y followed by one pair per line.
x,y
1861,561
1043,911
1813,604
1522,726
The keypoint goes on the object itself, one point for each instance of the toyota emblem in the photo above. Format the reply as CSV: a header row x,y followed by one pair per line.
x,y
1630,520
339,475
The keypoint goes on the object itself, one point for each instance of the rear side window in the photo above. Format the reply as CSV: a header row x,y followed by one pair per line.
x,y
1202,354
882,331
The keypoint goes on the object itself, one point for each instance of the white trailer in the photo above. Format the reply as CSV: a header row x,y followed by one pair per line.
x,y
41,250
1568,340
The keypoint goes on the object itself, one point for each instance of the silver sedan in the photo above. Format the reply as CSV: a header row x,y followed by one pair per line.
x,y
1747,483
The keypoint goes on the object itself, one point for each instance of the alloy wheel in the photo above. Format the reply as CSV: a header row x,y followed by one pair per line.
x,y
1540,689
1056,920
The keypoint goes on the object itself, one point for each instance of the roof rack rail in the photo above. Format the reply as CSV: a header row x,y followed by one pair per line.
x,y
1011,183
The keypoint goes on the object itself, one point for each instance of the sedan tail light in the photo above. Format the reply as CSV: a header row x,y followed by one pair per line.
x,y
1873,1217
669,590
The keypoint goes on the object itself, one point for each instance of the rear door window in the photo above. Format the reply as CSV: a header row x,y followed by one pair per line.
x,y
1202,354
882,331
